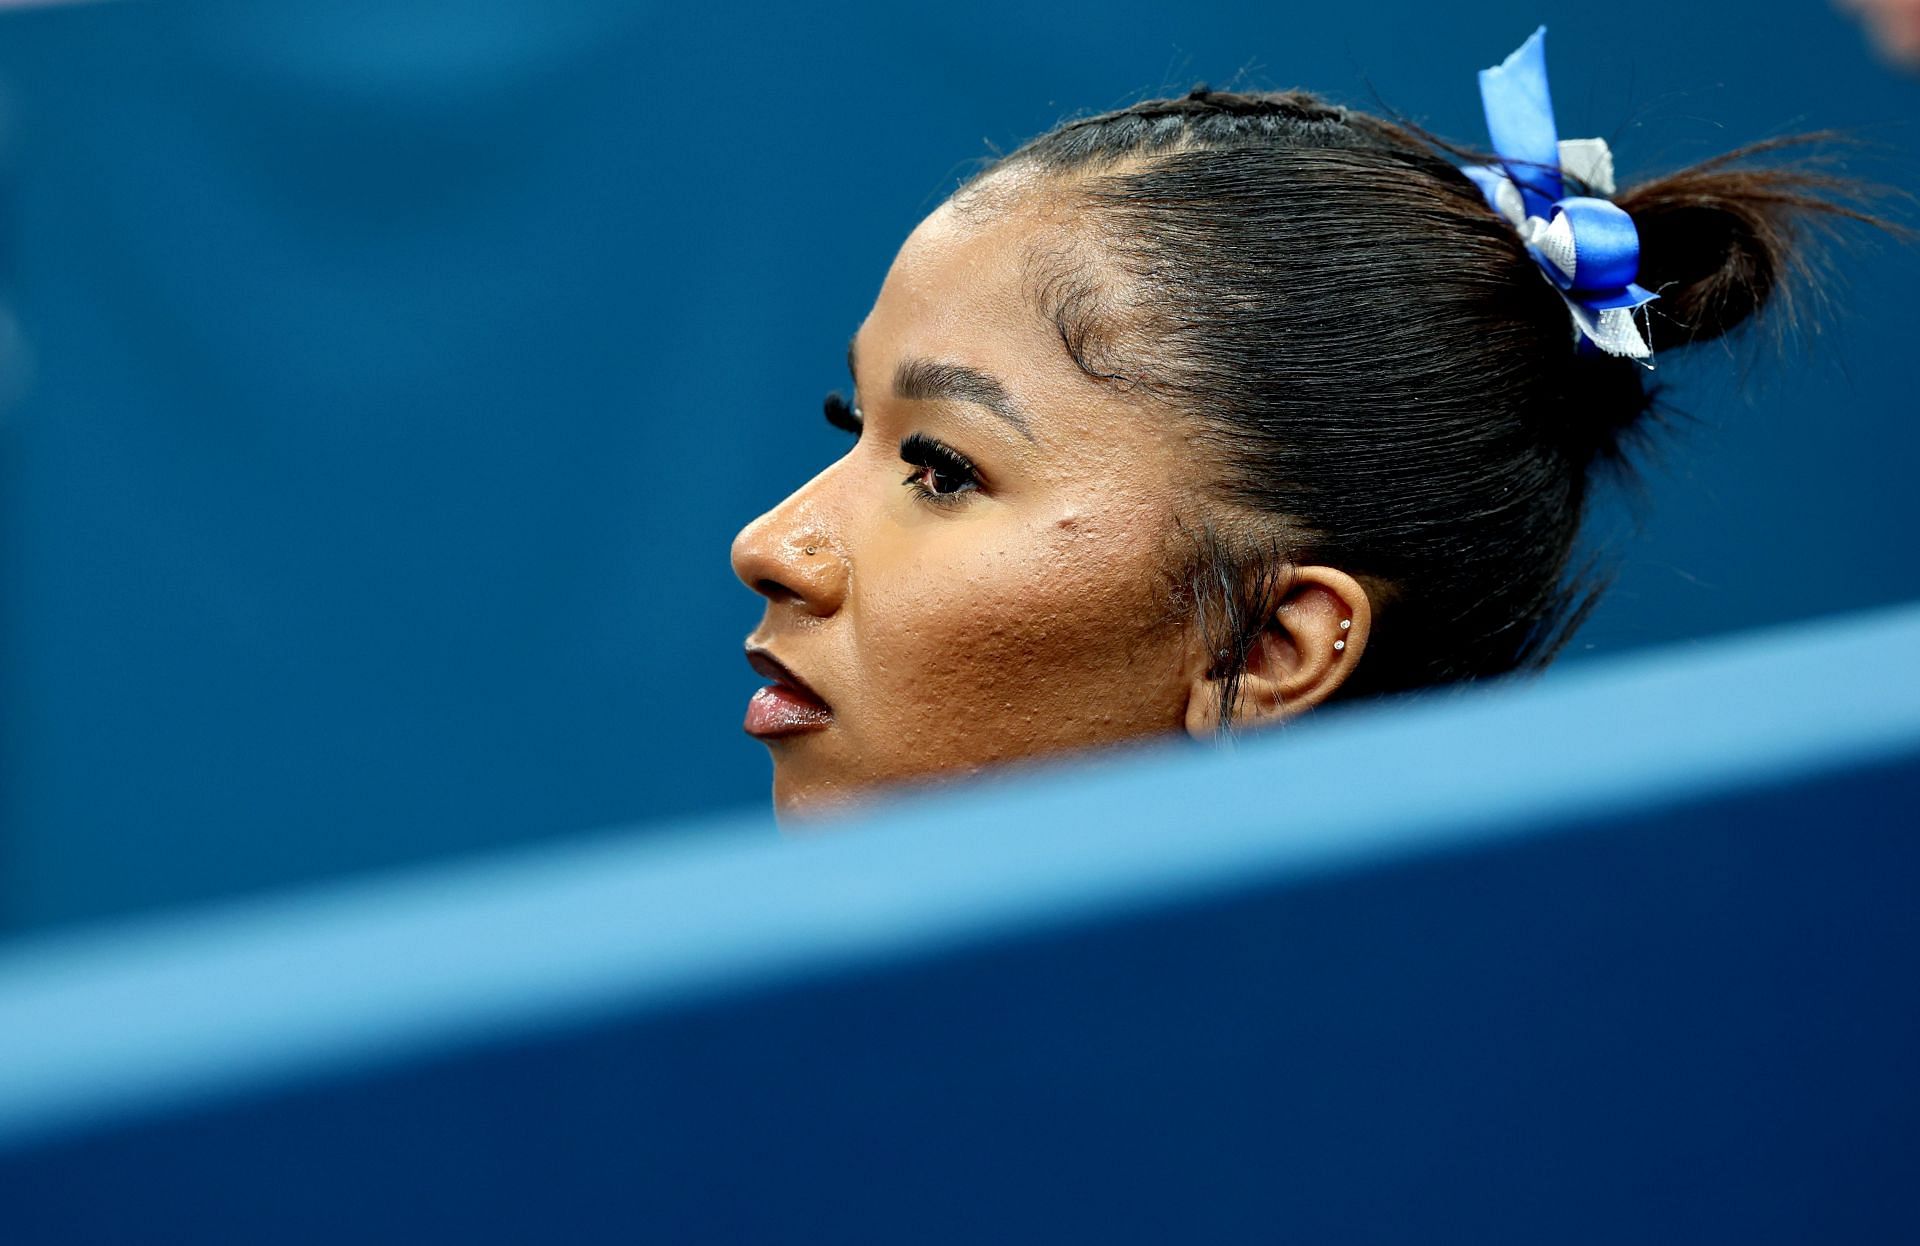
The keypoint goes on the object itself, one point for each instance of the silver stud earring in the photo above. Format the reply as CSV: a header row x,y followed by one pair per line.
x,y
1345,625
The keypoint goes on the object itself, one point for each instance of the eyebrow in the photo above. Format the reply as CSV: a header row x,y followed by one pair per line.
x,y
929,380
926,379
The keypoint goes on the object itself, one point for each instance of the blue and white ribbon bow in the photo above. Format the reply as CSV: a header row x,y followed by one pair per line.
x,y
1587,247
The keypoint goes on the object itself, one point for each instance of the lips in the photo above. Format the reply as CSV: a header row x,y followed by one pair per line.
x,y
787,706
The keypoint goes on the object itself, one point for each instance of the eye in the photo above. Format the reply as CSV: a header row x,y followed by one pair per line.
x,y
941,473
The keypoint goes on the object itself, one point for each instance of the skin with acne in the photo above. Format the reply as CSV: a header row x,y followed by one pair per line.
x,y
951,617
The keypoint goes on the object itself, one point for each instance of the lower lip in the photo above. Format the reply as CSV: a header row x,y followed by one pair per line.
x,y
778,710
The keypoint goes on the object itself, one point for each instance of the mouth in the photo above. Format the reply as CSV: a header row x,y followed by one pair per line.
x,y
787,706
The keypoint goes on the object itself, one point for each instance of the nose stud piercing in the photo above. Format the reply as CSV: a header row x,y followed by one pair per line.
x,y
1345,625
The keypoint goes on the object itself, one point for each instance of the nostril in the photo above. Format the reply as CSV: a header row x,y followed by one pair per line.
x,y
774,590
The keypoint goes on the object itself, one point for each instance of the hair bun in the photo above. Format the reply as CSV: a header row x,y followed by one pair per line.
x,y
1721,239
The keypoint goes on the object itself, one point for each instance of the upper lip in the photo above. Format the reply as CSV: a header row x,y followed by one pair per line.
x,y
779,672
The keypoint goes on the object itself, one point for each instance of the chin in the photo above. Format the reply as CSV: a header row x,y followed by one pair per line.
x,y
797,803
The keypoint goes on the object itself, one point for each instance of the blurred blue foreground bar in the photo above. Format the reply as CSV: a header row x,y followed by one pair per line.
x,y
1630,956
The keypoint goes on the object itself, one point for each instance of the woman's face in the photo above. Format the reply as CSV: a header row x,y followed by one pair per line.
x,y
985,574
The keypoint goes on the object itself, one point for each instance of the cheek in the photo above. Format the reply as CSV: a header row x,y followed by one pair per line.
x,y
992,642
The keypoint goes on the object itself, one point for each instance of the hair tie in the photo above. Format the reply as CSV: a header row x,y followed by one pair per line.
x,y
1587,247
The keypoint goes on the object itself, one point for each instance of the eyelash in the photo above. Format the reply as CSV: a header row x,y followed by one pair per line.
x,y
938,460
843,415
930,457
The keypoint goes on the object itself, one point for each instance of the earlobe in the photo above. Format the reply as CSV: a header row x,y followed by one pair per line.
x,y
1313,639
1203,708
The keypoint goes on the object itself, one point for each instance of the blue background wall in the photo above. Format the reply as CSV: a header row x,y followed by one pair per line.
x,y
384,381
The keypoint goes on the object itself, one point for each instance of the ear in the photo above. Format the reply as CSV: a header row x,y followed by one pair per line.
x,y
1311,644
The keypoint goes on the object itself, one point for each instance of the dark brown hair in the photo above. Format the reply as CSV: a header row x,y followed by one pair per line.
x,y
1380,372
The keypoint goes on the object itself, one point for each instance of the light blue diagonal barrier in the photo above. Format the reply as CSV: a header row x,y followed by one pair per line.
x,y
1627,956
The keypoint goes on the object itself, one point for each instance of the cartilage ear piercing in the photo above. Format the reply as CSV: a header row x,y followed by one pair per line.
x,y
1345,625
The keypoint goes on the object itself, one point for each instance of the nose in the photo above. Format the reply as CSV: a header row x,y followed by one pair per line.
x,y
790,556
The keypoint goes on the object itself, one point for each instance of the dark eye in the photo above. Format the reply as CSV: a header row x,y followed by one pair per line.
x,y
940,473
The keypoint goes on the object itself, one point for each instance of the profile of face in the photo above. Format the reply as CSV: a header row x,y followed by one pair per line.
x,y
992,570
1204,411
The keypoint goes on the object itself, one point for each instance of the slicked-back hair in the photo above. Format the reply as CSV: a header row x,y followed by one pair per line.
x,y
1381,378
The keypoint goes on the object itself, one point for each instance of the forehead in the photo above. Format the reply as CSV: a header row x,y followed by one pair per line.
x,y
962,290
971,286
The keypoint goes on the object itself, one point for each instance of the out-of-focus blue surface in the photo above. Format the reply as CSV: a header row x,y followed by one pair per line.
x,y
1650,978
384,381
